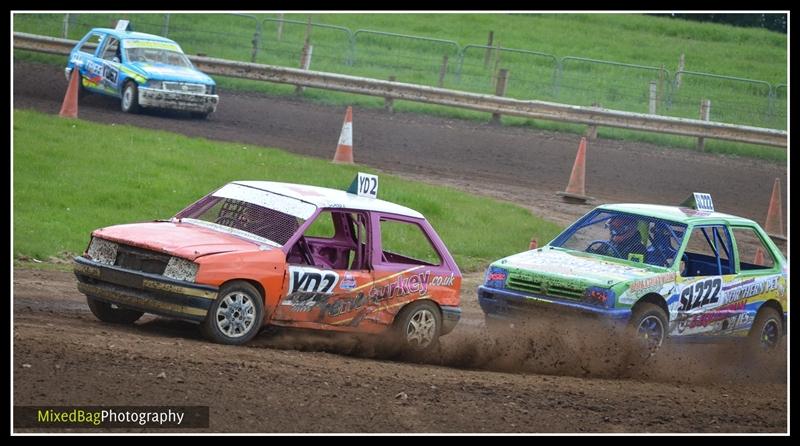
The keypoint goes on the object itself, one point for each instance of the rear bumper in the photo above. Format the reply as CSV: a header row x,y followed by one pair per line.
x,y
507,304
177,100
150,293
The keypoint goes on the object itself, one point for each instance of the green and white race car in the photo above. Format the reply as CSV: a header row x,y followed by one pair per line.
x,y
669,271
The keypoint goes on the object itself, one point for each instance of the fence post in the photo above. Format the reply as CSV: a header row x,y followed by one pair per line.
x,y
653,97
256,40
308,30
705,112
660,92
66,26
165,26
500,90
557,78
496,70
488,50
305,62
280,27
388,103
681,64
443,71
773,93
305,57
591,131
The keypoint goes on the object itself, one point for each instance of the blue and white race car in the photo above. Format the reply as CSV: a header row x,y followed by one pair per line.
x,y
143,70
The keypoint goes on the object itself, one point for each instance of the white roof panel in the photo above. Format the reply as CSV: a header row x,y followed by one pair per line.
x,y
330,198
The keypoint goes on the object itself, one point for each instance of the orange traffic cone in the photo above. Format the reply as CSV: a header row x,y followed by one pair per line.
x,y
69,108
759,258
344,151
575,189
774,223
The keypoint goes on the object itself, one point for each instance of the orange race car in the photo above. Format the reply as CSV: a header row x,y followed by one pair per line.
x,y
255,253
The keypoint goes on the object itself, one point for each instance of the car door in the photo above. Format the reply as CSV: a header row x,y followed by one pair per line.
x,y
759,277
109,56
707,270
84,57
408,267
329,273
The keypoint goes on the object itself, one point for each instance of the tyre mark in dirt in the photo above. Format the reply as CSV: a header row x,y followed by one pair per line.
x,y
68,357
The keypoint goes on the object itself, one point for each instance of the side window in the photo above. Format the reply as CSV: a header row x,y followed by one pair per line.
x,y
707,253
334,240
753,253
111,49
404,242
322,226
91,44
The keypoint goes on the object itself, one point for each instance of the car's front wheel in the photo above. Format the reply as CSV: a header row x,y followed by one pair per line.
x,y
107,312
648,325
130,98
418,326
236,315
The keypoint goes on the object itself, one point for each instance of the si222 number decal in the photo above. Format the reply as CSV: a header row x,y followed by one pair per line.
x,y
700,294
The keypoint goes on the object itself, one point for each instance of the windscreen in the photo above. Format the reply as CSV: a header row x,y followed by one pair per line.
x,y
249,212
631,237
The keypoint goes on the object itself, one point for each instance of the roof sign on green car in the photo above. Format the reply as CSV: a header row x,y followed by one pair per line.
x,y
699,201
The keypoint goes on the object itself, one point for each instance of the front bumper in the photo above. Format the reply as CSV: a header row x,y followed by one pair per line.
x,y
177,100
151,293
507,304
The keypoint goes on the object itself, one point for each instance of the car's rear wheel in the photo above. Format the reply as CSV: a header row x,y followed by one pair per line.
x,y
199,115
766,332
236,315
648,325
130,98
418,326
107,312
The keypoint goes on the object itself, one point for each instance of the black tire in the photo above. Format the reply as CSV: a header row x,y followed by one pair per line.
x,y
230,319
106,313
199,115
418,327
129,102
648,327
766,332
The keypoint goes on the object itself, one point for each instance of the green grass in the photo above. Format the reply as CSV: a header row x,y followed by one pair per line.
x,y
73,176
627,38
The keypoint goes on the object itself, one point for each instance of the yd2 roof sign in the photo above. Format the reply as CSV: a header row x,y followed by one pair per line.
x,y
364,185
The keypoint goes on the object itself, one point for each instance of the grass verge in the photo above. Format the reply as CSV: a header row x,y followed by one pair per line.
x,y
72,176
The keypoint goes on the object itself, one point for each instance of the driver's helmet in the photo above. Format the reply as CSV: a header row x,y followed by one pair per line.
x,y
621,228
661,234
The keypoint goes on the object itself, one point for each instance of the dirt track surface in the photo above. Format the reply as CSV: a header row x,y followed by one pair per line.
x,y
517,164
306,382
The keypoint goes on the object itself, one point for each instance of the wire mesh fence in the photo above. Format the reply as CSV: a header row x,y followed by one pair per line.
x,y
444,63
282,41
413,59
532,73
613,85
737,100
